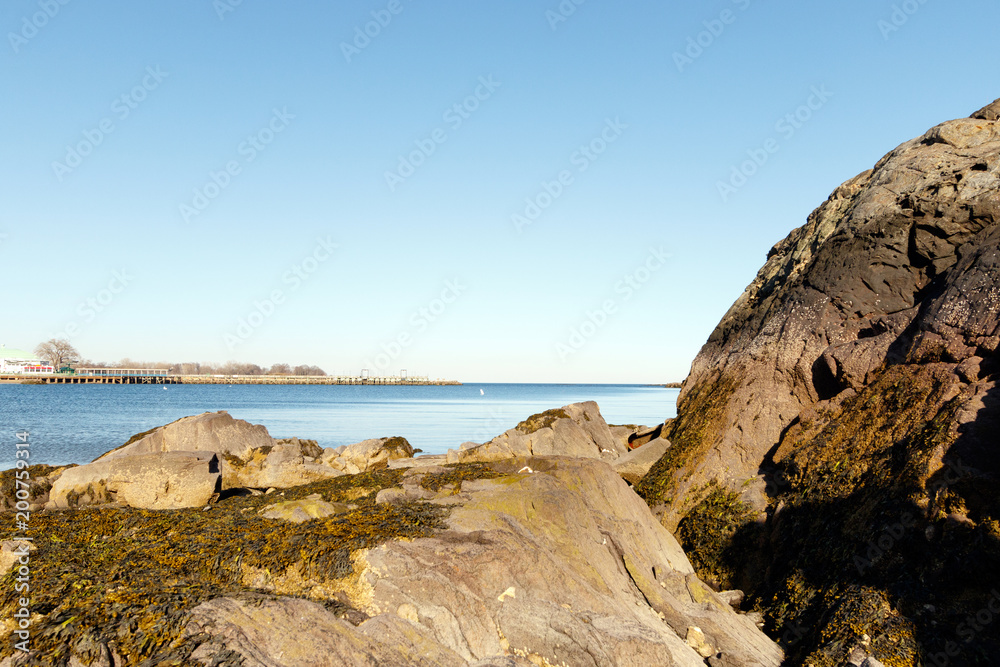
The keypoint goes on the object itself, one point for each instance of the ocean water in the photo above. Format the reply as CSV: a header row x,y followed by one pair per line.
x,y
77,423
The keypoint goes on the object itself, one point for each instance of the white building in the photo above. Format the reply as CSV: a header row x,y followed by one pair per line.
x,y
19,361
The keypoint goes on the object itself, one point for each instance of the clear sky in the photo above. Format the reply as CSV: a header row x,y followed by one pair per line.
x,y
169,170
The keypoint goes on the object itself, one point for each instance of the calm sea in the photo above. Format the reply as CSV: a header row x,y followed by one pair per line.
x,y
76,423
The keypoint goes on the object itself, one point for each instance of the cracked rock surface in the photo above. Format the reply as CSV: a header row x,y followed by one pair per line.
x,y
565,565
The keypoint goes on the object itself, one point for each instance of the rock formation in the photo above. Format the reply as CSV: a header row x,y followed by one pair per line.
x,y
634,465
367,454
563,563
155,480
838,428
39,484
573,430
248,455
522,560
189,461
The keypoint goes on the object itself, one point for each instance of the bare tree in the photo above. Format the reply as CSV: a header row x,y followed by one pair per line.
x,y
191,368
309,371
229,368
238,368
58,352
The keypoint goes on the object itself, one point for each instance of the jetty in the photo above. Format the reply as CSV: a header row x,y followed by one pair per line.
x,y
162,376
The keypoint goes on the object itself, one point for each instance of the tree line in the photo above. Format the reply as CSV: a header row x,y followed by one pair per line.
x,y
61,354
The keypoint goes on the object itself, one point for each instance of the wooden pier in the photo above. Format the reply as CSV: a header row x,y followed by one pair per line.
x,y
163,378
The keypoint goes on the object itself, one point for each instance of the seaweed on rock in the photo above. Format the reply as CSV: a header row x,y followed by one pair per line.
x,y
127,578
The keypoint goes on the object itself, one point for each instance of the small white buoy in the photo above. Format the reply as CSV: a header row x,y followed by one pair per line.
x,y
482,393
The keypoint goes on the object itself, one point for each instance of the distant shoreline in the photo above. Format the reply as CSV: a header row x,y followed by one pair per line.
x,y
282,380
223,379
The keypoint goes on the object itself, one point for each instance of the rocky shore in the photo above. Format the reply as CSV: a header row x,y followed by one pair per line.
x,y
208,542
826,495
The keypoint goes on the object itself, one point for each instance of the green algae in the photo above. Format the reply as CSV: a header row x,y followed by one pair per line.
x,y
236,462
541,420
458,473
861,546
866,553
707,534
398,445
694,431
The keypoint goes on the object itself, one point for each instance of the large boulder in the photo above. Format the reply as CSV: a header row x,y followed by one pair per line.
x,y
576,430
310,636
367,454
564,561
157,480
560,565
214,432
834,452
284,464
889,260
248,455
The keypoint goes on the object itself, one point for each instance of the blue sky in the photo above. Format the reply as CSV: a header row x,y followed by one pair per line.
x,y
206,181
